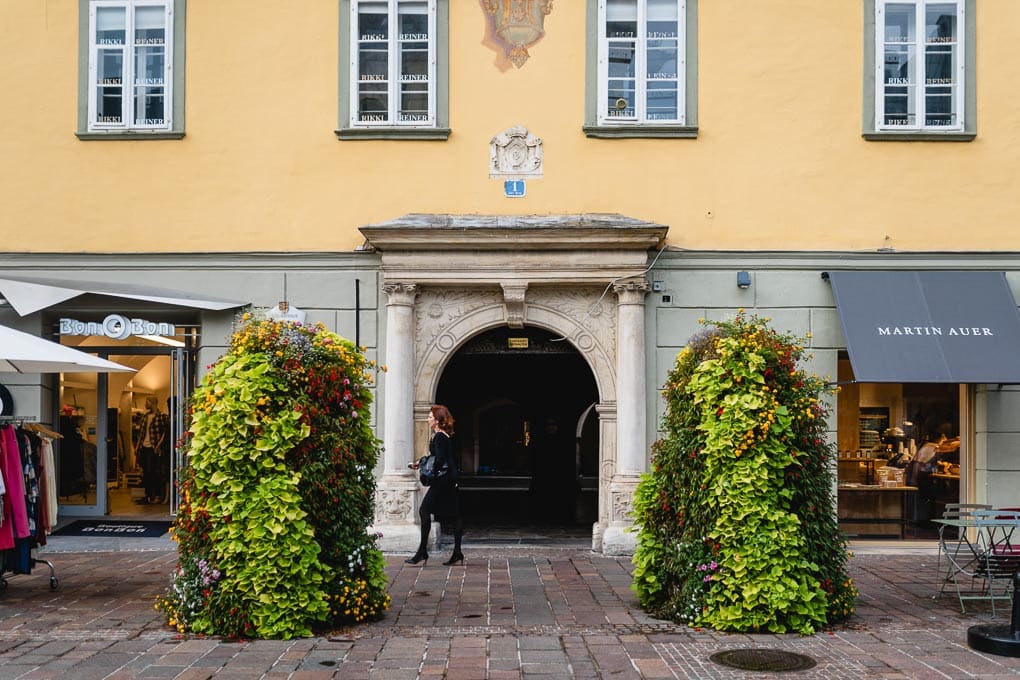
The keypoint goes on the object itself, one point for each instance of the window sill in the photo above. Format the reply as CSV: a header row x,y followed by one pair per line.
x,y
919,136
637,131
433,134
128,134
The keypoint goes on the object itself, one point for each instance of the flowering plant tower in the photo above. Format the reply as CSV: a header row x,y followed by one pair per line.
x,y
277,491
736,520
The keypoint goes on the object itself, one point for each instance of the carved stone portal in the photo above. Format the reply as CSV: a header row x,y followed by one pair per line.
x,y
482,277
515,153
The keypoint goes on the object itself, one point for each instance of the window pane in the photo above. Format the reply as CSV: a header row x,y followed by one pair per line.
x,y
150,99
661,101
110,67
940,89
150,25
373,103
110,105
621,19
899,23
150,63
621,99
149,106
373,21
414,103
900,65
662,59
661,11
110,25
940,23
373,62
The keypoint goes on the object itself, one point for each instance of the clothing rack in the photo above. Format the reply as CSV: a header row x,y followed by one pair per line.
x,y
30,423
21,559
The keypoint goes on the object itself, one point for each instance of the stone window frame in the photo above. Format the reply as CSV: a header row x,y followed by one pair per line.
x,y
870,130
440,131
592,127
84,129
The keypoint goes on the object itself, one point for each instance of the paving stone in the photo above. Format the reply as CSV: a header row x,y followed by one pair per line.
x,y
512,612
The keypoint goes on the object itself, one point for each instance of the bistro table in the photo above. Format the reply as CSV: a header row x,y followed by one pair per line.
x,y
981,559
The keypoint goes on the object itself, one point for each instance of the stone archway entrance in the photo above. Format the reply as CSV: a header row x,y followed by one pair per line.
x,y
520,397
448,278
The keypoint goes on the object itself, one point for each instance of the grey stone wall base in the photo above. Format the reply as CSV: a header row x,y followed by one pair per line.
x,y
619,540
399,538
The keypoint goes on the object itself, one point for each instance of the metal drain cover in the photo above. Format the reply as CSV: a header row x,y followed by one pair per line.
x,y
757,659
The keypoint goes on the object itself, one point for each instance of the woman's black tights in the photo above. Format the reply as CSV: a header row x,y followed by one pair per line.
x,y
425,517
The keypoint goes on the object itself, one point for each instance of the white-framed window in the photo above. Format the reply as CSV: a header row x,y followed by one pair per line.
x,y
641,62
130,72
393,63
920,69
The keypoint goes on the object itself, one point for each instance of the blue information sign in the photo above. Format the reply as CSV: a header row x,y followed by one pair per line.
x,y
513,188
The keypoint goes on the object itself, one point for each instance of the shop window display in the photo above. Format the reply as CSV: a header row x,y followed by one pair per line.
x,y
899,456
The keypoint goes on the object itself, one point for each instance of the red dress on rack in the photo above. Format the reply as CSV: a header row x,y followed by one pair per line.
x,y
15,517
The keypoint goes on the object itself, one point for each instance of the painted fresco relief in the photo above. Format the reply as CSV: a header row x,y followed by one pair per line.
x,y
516,25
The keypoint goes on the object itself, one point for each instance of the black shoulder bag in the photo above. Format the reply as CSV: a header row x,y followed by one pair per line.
x,y
429,470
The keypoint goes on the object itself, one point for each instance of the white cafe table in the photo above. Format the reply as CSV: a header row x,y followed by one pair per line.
x,y
981,558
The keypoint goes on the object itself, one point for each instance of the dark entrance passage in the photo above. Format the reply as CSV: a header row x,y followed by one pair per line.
x,y
527,431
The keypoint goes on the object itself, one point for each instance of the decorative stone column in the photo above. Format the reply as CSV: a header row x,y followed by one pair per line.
x,y
631,439
396,503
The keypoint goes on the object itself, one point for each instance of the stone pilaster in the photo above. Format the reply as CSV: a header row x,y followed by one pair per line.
x,y
397,492
631,439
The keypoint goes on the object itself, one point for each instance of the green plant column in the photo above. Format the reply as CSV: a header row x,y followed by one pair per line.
x,y
736,522
278,491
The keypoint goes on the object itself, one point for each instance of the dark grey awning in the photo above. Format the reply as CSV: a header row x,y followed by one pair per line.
x,y
929,326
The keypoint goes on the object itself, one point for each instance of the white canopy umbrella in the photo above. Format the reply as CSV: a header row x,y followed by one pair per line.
x,y
25,353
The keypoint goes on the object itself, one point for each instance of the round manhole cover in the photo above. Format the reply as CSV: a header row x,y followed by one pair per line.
x,y
773,660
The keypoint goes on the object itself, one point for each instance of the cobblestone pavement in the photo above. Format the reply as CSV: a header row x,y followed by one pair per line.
x,y
511,612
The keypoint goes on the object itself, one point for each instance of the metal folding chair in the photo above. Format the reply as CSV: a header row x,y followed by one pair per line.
x,y
951,553
1001,555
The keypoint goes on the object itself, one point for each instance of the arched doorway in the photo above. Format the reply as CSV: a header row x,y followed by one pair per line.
x,y
526,429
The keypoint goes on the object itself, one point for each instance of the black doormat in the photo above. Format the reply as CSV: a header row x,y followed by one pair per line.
x,y
112,528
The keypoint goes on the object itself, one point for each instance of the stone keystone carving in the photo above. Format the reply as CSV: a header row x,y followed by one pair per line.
x,y
515,153
513,300
519,24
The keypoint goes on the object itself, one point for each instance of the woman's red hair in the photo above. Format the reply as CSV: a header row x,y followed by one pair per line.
x,y
444,420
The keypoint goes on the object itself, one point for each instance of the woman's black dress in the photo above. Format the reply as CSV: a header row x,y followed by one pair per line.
x,y
441,500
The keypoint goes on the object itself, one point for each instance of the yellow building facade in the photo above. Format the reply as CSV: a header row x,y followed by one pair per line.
x,y
435,178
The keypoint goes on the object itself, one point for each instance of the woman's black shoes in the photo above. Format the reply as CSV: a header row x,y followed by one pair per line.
x,y
420,556
456,558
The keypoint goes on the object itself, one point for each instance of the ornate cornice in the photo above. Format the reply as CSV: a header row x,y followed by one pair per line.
x,y
590,231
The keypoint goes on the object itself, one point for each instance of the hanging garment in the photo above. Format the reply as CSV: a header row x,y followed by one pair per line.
x,y
49,483
14,477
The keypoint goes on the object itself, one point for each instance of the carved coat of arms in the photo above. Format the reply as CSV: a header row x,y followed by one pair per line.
x,y
519,24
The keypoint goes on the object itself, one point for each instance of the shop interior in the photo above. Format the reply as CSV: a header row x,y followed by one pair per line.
x,y
899,456
138,479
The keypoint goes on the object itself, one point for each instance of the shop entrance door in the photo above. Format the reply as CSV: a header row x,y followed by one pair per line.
x,y
118,454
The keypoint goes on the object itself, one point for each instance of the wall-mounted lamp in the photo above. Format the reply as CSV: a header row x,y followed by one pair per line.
x,y
743,280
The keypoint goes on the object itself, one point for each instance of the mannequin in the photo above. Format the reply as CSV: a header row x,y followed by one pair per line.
x,y
152,451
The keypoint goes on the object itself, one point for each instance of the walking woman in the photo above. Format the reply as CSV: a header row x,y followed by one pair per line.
x,y
441,499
